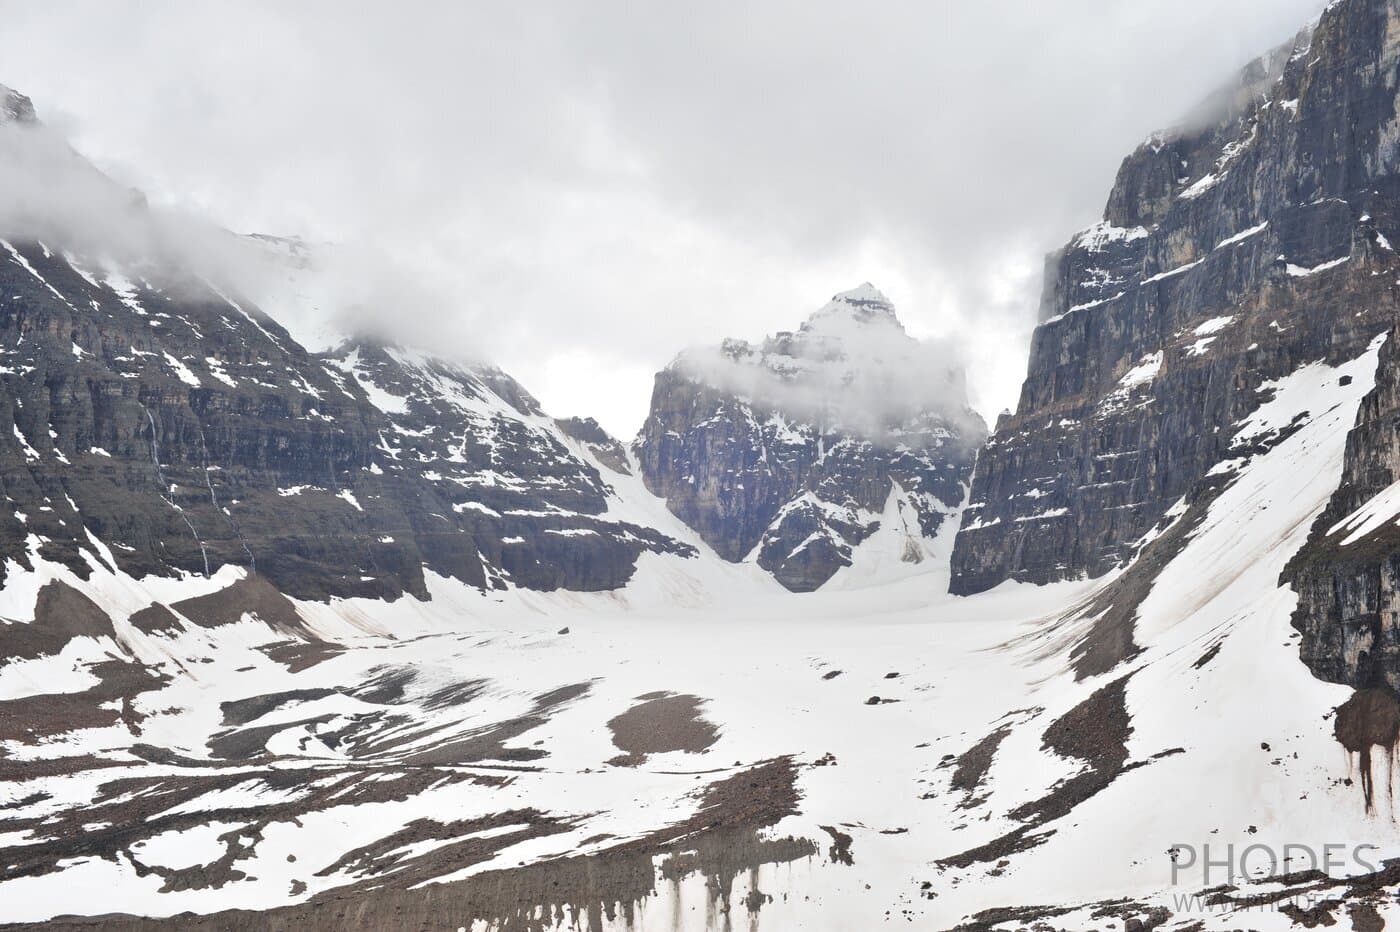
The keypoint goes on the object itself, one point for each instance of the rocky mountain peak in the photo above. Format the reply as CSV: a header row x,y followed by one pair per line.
x,y
864,304
15,107
794,451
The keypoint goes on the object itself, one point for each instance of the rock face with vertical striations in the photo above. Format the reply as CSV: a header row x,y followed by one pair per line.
x,y
1347,575
788,451
1252,240
151,420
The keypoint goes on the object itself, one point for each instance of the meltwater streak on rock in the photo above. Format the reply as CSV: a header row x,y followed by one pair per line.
x,y
1254,240
165,486
788,451
1370,719
721,842
214,500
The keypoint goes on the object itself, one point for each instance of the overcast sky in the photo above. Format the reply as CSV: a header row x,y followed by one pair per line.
x,y
581,190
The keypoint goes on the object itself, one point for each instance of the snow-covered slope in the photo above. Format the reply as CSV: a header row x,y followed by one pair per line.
x,y
638,762
355,637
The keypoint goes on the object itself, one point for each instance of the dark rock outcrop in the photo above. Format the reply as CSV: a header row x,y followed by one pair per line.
x,y
1347,575
1254,239
14,106
605,448
791,448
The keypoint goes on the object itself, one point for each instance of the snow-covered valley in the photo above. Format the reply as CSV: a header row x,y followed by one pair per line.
x,y
700,750
306,626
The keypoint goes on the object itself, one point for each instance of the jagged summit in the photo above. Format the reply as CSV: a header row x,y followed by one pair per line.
x,y
851,366
863,305
794,450
15,107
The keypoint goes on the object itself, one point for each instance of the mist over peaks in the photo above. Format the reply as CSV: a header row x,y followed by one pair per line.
x,y
851,368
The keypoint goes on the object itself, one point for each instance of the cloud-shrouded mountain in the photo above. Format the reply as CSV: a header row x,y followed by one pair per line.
x,y
15,107
1252,238
174,421
789,450
317,634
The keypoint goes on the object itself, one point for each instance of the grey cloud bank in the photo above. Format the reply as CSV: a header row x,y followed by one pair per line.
x,y
576,191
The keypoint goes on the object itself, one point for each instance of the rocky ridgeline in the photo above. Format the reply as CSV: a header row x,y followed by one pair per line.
x,y
759,449
1254,240
15,107
153,422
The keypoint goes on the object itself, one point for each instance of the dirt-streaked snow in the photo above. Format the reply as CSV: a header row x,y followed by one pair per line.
x,y
874,686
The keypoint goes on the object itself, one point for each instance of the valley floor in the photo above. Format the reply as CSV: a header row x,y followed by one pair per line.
x,y
705,750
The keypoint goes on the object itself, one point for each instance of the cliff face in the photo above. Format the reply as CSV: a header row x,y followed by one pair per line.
x,y
790,450
184,429
1347,576
1256,239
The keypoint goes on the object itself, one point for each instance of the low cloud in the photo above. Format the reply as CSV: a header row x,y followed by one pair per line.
x,y
851,368
560,187
322,292
50,193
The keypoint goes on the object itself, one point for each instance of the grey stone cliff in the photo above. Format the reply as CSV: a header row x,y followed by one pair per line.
x,y
756,448
1252,240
